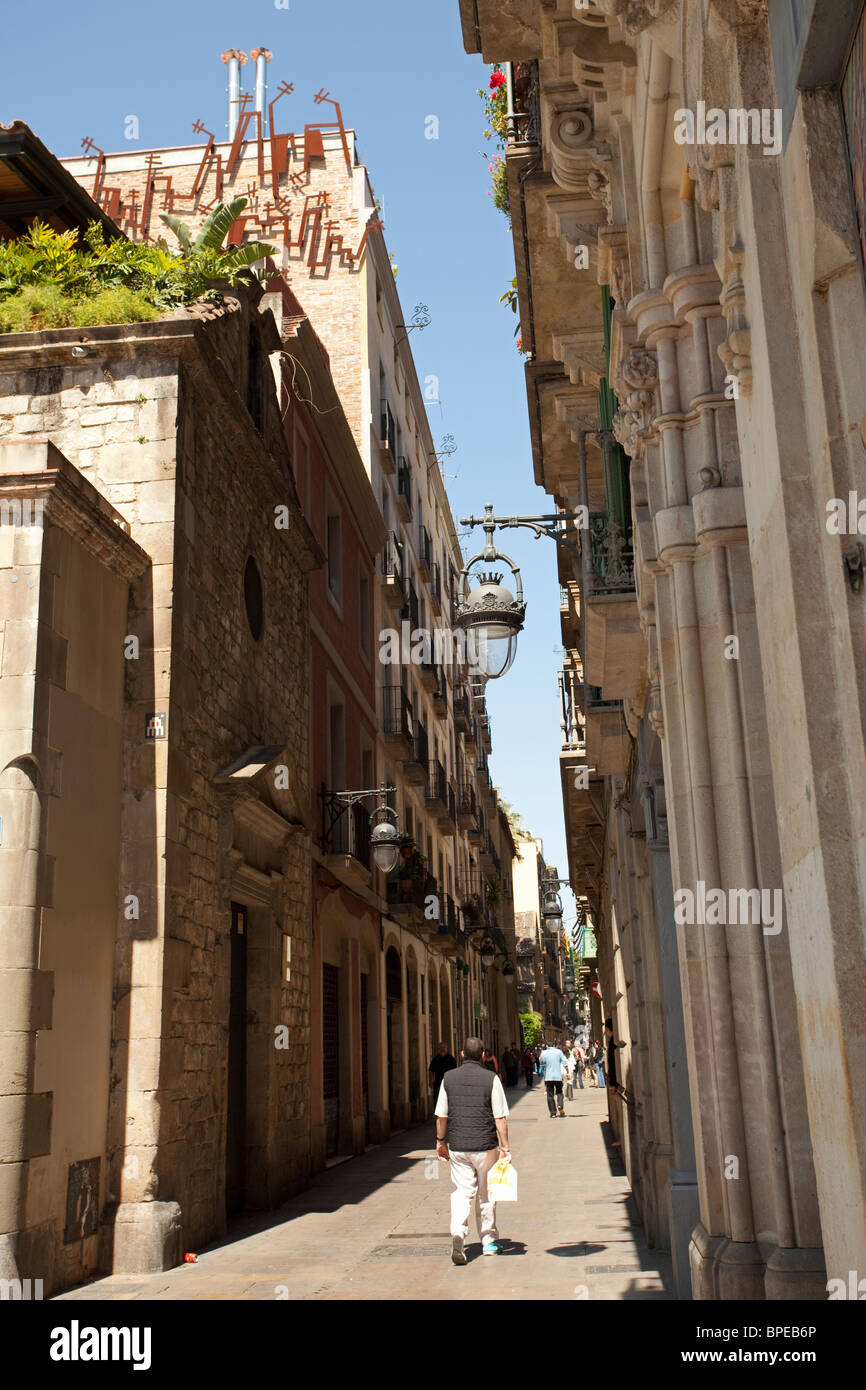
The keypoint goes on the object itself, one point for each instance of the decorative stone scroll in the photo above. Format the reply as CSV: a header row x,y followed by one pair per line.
x,y
635,15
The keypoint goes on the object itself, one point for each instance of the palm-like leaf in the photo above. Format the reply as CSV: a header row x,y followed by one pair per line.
x,y
246,253
180,229
216,225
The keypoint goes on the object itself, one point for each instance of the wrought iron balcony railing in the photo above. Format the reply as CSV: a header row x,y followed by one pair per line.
x,y
404,482
392,559
346,830
397,715
521,121
611,555
388,427
410,604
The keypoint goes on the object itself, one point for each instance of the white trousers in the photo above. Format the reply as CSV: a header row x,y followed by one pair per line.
x,y
469,1175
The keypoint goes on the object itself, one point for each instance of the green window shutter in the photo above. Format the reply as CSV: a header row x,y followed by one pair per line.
x,y
616,462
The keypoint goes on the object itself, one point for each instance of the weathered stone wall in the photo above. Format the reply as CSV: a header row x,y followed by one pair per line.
x,y
157,420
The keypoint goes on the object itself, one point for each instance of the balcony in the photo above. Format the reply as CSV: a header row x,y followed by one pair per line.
x,y
613,634
467,811
521,121
428,675
440,798
462,711
470,737
471,897
440,694
387,439
436,589
607,742
397,721
409,611
488,861
425,553
404,489
392,571
416,765
409,896
346,842
477,832
569,616
450,937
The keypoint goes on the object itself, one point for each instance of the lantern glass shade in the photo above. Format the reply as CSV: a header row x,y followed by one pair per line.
x,y
497,648
551,906
385,846
488,953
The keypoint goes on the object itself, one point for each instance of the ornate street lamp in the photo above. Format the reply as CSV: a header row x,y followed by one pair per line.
x,y
385,827
490,615
488,952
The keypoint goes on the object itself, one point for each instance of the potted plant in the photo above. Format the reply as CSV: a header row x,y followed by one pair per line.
x,y
411,866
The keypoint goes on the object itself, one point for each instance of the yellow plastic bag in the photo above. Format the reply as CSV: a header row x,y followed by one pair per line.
x,y
502,1181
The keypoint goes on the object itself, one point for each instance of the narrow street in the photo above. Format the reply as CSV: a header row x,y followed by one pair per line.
x,y
376,1227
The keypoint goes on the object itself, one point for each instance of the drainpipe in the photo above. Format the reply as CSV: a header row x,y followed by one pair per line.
x,y
261,57
234,58
585,550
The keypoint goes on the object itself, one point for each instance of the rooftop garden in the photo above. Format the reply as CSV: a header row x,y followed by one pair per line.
x,y
48,279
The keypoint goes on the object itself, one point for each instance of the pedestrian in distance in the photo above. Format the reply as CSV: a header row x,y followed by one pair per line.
x,y
568,1074
442,1062
596,1058
471,1131
511,1060
488,1060
579,1063
552,1061
529,1067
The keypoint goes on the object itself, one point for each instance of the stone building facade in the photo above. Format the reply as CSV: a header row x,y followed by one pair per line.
x,y
312,199
685,185
156,791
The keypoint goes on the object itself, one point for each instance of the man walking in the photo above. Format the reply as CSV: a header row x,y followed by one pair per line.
x,y
472,1112
529,1067
551,1063
442,1062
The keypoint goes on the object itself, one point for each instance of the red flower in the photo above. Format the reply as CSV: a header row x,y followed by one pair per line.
x,y
497,79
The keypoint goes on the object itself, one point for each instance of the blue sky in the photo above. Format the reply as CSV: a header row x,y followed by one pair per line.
x,y
391,64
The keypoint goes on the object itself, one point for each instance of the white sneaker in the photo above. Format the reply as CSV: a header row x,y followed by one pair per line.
x,y
457,1255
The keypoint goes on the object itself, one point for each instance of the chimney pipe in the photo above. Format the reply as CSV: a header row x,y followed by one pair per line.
x,y
261,57
234,58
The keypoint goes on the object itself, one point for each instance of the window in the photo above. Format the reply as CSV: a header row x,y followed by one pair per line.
x,y
364,613
337,744
367,768
254,598
335,556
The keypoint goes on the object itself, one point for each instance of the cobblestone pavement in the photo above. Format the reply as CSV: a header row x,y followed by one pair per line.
x,y
376,1227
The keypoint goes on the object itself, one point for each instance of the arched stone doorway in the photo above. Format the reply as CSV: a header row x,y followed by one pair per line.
x,y
396,1043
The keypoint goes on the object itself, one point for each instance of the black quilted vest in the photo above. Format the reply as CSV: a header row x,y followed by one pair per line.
x,y
470,1115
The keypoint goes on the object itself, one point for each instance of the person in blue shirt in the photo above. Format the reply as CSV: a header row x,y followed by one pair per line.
x,y
550,1064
